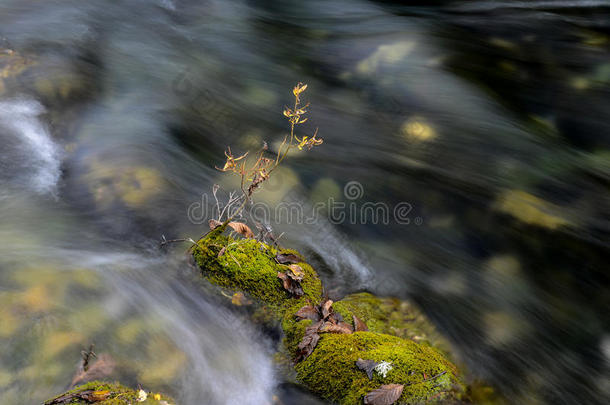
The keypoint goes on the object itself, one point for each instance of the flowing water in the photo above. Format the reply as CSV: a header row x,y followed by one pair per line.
x,y
485,122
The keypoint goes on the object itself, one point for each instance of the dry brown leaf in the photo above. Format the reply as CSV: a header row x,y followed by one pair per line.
x,y
101,368
367,366
308,312
290,285
295,272
288,258
309,341
238,227
326,308
385,395
341,327
242,229
359,326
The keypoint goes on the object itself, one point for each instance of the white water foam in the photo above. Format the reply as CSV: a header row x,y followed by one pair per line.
x,y
29,155
229,362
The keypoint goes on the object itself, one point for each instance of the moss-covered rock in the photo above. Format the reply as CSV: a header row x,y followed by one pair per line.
x,y
331,371
108,394
249,266
395,328
393,317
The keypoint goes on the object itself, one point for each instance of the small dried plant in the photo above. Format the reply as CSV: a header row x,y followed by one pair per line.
x,y
257,170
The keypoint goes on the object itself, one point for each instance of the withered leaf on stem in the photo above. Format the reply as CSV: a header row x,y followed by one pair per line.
x,y
309,341
283,258
290,285
308,312
385,395
340,327
367,366
359,326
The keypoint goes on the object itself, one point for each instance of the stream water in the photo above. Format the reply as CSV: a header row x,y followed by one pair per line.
x,y
480,127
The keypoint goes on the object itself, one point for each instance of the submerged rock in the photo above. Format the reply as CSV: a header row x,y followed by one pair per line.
x,y
12,65
324,362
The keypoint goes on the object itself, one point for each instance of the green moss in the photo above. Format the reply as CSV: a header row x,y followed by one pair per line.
x,y
293,333
119,395
331,372
393,317
249,265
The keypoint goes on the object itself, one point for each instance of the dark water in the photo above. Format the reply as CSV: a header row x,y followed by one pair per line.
x,y
487,120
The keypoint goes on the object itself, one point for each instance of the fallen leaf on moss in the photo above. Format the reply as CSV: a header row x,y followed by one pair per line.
x,y
385,395
326,308
340,327
308,312
290,285
309,341
295,272
283,258
238,227
367,366
242,229
359,326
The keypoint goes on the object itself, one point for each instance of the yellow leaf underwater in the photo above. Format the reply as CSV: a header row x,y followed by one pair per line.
x,y
530,209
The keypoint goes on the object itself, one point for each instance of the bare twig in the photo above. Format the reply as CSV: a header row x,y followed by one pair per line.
x,y
165,241
87,355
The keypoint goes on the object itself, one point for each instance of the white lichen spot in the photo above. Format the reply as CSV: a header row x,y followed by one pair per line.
x,y
142,395
383,368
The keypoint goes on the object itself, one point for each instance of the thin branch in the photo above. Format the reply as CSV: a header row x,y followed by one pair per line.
x,y
165,241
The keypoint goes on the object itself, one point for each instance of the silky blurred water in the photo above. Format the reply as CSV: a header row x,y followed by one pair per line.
x,y
489,118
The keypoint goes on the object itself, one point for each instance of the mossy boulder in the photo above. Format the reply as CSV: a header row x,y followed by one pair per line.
x,y
331,371
393,317
249,266
104,393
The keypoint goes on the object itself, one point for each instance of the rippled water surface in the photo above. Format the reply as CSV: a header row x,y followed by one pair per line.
x,y
488,120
